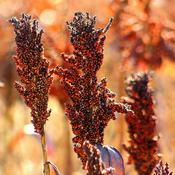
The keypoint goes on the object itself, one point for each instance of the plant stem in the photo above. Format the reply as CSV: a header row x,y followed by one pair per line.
x,y
46,170
122,126
68,157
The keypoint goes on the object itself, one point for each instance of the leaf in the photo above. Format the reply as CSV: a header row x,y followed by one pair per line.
x,y
111,157
56,171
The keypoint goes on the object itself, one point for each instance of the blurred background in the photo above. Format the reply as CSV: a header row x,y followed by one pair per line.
x,y
141,38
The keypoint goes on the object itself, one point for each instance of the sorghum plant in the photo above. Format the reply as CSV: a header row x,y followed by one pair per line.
x,y
92,104
142,38
162,169
143,148
34,73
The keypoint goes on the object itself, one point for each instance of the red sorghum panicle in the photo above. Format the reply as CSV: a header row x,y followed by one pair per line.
x,y
143,148
32,68
162,169
147,44
94,164
92,103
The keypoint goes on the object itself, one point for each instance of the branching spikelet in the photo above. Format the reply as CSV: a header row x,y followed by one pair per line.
x,y
92,103
94,164
162,169
143,147
32,69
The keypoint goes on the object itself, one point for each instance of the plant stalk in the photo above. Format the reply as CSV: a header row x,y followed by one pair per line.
x,y
46,170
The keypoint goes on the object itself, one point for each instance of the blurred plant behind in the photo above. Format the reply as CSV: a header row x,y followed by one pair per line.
x,y
20,148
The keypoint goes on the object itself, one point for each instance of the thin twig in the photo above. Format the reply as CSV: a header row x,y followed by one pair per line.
x,y
108,25
46,170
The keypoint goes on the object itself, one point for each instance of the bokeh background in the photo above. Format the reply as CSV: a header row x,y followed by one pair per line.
x,y
20,150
